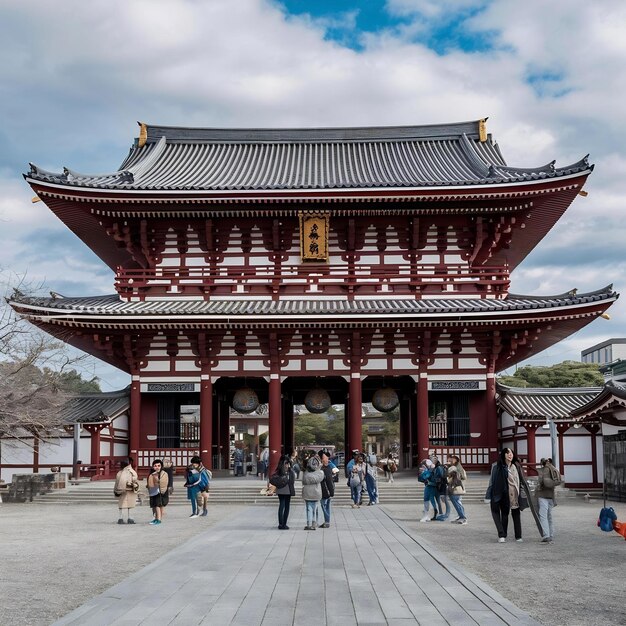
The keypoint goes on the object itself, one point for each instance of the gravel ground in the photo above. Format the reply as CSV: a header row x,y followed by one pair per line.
x,y
579,580
54,558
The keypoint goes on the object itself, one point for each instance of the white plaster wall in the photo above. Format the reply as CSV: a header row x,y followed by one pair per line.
x,y
576,448
120,449
578,474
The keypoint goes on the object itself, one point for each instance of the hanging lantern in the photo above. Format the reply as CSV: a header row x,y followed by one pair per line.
x,y
317,401
385,399
245,400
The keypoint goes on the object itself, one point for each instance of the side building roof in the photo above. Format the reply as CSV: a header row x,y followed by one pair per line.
x,y
96,408
542,404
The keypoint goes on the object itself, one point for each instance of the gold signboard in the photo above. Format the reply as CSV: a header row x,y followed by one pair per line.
x,y
314,236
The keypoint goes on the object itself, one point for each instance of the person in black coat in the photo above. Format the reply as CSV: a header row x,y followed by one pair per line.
x,y
505,493
328,487
284,479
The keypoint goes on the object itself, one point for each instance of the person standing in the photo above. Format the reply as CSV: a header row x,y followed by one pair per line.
x,y
371,479
126,488
441,483
169,469
548,478
456,487
284,479
427,476
205,481
356,480
157,490
312,490
504,494
328,487
456,490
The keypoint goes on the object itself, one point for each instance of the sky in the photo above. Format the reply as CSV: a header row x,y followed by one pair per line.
x,y
550,76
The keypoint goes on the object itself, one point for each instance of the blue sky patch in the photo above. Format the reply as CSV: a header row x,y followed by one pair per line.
x,y
347,21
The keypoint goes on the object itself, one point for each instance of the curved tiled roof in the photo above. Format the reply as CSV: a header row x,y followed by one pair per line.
x,y
544,403
113,306
172,158
96,407
612,393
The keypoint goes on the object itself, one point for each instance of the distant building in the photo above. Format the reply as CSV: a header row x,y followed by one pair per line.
x,y
605,352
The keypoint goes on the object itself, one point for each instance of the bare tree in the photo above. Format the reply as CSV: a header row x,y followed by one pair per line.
x,y
32,368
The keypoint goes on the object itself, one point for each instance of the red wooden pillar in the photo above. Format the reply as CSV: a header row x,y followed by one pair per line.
x,y
94,432
491,414
561,429
206,420
422,416
531,431
275,420
355,417
134,437
593,430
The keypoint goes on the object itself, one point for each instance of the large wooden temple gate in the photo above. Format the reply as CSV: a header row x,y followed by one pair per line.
x,y
260,265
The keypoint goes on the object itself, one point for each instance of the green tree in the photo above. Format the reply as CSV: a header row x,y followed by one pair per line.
x,y
565,374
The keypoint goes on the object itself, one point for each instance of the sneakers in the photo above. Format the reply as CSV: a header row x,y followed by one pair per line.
x,y
204,513
426,518
520,540
193,515
501,540
547,540
131,521
154,522
120,521
309,528
324,525
462,522
314,525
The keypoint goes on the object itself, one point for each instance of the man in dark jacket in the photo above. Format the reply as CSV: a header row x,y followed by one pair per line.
x,y
328,487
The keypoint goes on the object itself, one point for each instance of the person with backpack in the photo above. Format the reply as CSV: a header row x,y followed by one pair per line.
x,y
548,478
205,480
426,475
192,482
312,490
356,480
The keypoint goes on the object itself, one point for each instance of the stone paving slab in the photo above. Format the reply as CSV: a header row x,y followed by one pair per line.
x,y
365,569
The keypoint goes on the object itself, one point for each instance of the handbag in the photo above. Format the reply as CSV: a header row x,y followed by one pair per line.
x,y
522,501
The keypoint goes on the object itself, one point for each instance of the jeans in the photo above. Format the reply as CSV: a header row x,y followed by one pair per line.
x,y
430,496
325,502
458,506
356,493
545,516
500,513
372,488
443,502
311,511
284,502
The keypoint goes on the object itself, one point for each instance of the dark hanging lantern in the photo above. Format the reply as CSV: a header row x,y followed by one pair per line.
x,y
317,401
385,399
245,400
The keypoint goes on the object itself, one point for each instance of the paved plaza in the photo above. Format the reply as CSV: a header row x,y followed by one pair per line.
x,y
376,565
365,569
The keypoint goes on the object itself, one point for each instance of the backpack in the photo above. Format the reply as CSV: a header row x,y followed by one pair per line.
x,y
553,479
606,519
440,479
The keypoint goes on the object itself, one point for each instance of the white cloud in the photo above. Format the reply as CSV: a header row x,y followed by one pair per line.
x,y
81,73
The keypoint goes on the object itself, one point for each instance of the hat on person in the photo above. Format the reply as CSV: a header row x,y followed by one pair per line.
x,y
354,452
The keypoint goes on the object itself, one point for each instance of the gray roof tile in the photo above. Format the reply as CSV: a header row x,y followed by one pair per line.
x,y
314,159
